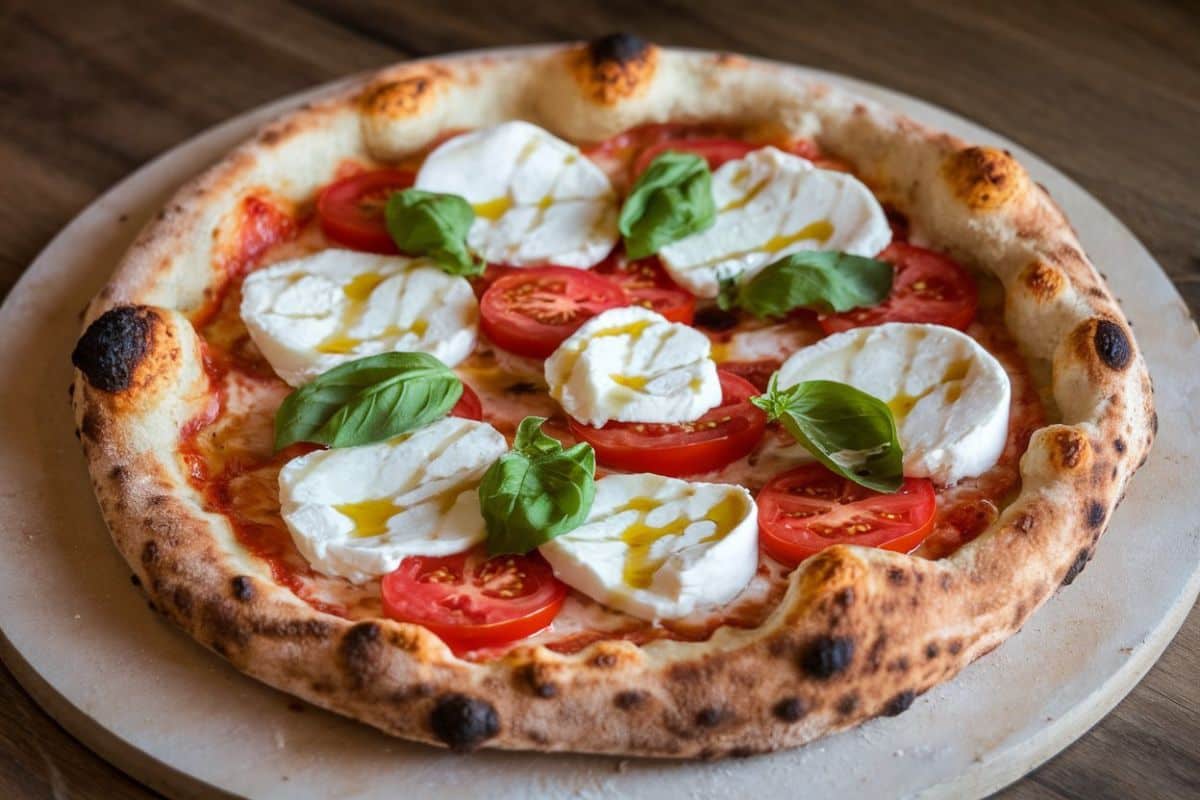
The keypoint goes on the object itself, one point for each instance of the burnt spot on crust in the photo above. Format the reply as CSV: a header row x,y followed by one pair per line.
x,y
406,94
545,690
360,652
604,660
614,67
848,704
897,576
932,649
463,722
112,347
827,656
629,700
955,647
618,48
790,709
149,553
983,178
1081,560
243,588
1119,445
1070,448
1095,514
135,580
899,704
712,717
1112,344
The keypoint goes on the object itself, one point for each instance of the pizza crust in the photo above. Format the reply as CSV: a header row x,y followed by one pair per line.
x,y
860,632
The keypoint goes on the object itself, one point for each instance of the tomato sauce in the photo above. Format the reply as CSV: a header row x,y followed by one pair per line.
x,y
229,454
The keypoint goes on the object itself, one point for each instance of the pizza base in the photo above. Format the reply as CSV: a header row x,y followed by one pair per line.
x,y
860,632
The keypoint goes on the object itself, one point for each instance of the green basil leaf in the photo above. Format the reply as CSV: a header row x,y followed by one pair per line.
x,y
436,225
825,281
368,400
727,293
672,199
536,491
849,431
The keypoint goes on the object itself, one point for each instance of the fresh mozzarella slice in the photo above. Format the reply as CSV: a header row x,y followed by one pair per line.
x,y
310,314
660,548
949,396
357,512
632,365
771,204
537,199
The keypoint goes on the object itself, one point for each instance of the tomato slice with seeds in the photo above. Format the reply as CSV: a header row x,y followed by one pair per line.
x,y
472,601
805,510
351,210
468,406
530,311
724,434
647,284
927,287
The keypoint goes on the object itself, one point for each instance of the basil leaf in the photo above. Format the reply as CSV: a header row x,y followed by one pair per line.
x,y
849,431
435,225
368,400
536,491
825,281
672,199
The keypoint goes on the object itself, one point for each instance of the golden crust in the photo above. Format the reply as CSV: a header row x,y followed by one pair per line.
x,y
859,633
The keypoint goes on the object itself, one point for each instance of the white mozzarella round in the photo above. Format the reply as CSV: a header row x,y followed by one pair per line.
x,y
950,397
357,512
660,548
632,365
310,314
537,199
771,204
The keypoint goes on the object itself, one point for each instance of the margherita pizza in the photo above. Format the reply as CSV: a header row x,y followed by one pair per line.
x,y
607,398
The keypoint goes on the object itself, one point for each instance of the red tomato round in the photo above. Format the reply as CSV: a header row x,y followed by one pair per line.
x,y
715,151
468,406
648,285
805,510
928,287
472,601
724,434
531,311
351,210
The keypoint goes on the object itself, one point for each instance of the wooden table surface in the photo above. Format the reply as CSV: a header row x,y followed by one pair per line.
x,y
1107,91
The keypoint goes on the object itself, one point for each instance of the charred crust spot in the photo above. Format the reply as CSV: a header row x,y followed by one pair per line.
x,y
243,588
955,647
1154,422
629,700
604,660
617,48
182,599
1070,447
1076,567
844,597
360,650
407,94
983,178
270,137
901,664
1042,280
118,473
742,752
545,690
790,709
899,704
1112,344
714,319
932,650
897,576
1119,444
826,656
712,717
463,722
91,426
112,347
847,704
1095,514
149,553
135,580
945,581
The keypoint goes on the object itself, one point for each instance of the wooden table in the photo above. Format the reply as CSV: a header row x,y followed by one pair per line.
x,y
1107,91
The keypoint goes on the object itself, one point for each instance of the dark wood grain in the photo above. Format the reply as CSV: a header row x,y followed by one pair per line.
x,y
1107,91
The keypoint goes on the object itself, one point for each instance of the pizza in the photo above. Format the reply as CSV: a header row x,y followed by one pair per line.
x,y
607,398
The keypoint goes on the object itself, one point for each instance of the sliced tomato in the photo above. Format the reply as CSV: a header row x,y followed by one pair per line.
x,y
351,209
472,601
724,434
928,287
649,285
757,373
468,406
715,151
805,510
530,311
